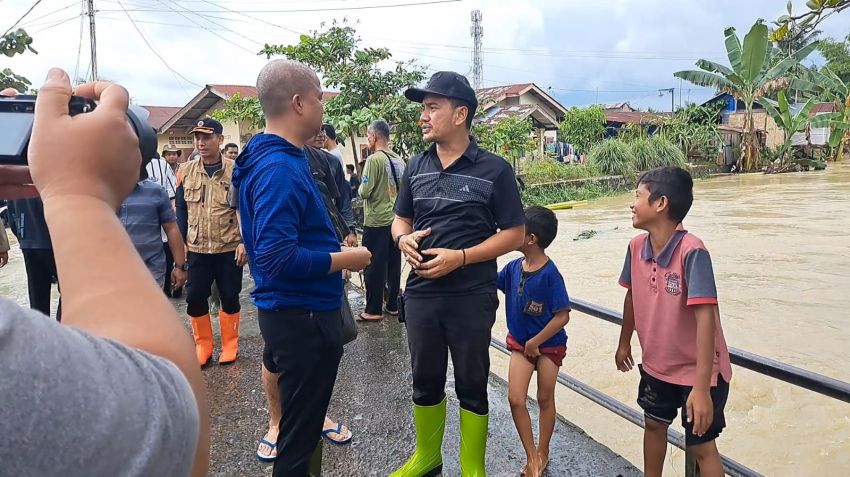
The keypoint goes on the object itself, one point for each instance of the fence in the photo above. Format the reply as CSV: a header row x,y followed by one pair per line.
x,y
793,375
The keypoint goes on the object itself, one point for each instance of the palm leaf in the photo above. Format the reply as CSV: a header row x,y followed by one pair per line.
x,y
733,50
824,120
807,109
807,86
770,107
714,67
704,78
783,101
783,66
835,136
755,51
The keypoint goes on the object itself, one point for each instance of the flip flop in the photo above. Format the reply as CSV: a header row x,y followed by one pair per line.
x,y
268,458
360,317
391,313
326,434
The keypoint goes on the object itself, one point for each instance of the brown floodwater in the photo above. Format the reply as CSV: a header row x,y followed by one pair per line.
x,y
781,252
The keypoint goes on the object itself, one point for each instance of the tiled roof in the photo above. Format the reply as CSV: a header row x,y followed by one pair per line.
x,y
160,114
229,90
508,90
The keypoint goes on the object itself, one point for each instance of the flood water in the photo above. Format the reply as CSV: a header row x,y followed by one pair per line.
x,y
781,252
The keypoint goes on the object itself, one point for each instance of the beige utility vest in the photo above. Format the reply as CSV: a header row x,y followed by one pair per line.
x,y
213,227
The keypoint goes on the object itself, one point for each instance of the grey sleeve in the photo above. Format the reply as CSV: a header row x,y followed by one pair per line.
x,y
699,278
626,274
233,197
100,407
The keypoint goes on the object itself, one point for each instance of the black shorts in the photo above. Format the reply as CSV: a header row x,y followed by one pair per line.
x,y
661,401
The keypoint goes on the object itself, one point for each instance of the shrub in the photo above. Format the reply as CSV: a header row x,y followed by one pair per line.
x,y
656,152
549,170
613,157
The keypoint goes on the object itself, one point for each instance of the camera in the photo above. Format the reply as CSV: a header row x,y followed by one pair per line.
x,y
17,115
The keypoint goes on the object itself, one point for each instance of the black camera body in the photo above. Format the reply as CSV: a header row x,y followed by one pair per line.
x,y
17,115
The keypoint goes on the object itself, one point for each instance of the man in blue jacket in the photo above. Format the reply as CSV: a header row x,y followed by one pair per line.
x,y
295,258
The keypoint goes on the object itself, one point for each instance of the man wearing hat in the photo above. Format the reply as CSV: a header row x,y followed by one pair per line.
x,y
172,154
216,254
458,209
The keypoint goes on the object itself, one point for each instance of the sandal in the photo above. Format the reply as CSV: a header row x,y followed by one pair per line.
x,y
327,432
363,317
268,458
391,313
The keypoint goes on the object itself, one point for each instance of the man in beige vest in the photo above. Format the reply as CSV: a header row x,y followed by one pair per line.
x,y
216,254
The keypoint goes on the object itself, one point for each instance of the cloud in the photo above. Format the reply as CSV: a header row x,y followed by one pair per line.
x,y
625,49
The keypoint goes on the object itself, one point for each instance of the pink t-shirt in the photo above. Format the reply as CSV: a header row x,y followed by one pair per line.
x,y
664,291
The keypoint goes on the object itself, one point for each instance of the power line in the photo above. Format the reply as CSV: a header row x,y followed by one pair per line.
x,y
312,10
30,21
79,43
54,25
22,17
174,72
214,32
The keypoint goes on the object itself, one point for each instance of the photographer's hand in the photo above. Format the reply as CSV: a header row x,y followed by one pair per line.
x,y
83,167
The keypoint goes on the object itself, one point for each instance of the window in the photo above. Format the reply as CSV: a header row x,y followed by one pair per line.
x,y
182,140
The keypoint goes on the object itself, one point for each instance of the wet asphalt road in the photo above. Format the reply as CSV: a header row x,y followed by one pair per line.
x,y
372,397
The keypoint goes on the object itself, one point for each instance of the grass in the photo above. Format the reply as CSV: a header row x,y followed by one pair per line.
x,y
549,170
551,194
613,157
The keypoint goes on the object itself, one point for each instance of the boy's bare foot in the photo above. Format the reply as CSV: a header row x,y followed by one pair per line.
x,y
266,449
543,460
531,468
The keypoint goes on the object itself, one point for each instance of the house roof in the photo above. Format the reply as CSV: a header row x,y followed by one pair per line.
x,y
489,97
187,116
632,117
822,108
160,114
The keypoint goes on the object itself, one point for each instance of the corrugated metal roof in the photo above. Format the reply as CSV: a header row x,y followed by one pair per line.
x,y
635,117
159,115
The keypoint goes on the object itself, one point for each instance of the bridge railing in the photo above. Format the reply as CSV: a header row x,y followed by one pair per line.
x,y
793,375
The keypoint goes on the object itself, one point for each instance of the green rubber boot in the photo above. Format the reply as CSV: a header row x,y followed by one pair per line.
x,y
473,443
427,461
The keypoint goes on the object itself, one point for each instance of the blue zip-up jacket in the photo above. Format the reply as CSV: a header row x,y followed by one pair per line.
x,y
285,228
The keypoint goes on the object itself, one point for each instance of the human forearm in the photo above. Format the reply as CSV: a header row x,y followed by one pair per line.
x,y
401,226
175,242
132,310
182,211
556,324
705,345
628,327
504,241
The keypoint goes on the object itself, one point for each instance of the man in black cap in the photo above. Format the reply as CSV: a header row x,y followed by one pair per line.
x,y
216,254
458,209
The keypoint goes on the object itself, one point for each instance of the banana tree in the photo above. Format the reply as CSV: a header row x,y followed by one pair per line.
x,y
750,77
828,86
782,115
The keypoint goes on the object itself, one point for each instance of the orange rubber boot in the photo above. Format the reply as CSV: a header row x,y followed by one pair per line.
x,y
229,324
202,332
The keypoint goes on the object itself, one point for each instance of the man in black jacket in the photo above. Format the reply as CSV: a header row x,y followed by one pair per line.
x,y
27,220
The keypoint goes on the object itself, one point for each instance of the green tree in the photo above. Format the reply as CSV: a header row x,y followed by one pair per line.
x,y
583,127
365,91
750,77
791,25
787,120
828,86
15,43
837,56
510,137
238,109
694,130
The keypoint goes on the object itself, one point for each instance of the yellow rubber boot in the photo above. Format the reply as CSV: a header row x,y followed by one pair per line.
x,y
427,460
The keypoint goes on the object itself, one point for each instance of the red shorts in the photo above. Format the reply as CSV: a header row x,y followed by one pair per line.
x,y
555,353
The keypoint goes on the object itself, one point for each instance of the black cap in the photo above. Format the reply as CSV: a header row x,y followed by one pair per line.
x,y
207,126
448,84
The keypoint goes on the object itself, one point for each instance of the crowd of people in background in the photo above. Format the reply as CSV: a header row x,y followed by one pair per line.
x,y
283,207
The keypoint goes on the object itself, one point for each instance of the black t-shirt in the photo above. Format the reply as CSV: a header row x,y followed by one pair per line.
x,y
464,205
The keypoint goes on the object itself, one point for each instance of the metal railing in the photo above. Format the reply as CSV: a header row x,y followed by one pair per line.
x,y
784,372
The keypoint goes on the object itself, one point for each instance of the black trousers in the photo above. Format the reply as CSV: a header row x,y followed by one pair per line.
x,y
169,267
41,272
437,325
385,269
305,349
206,268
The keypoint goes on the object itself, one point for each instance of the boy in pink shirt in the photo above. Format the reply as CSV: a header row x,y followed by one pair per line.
x,y
672,303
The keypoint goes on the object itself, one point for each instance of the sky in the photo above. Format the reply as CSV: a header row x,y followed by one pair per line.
x,y
582,52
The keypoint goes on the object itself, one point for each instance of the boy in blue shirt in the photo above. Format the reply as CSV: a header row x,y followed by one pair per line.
x,y
537,308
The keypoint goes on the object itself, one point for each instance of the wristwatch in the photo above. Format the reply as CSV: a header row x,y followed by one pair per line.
x,y
184,267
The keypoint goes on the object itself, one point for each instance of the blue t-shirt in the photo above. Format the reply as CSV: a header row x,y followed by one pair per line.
x,y
532,300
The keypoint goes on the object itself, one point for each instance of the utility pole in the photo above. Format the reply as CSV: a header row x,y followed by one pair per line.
x,y
672,92
92,38
477,32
